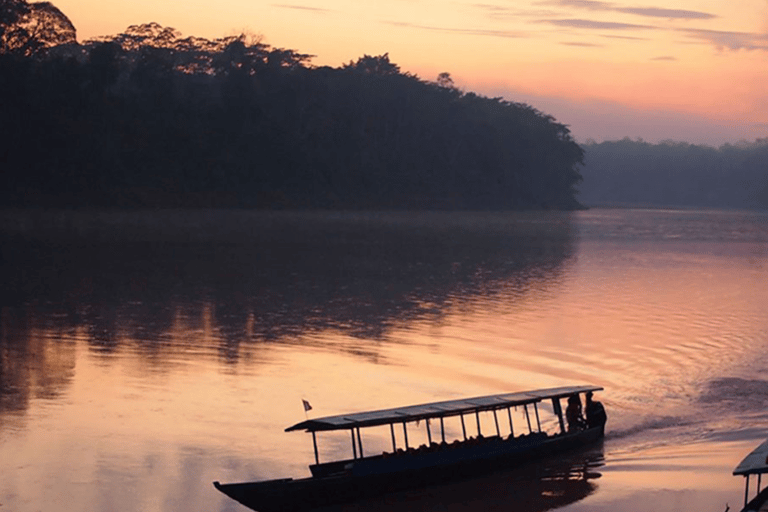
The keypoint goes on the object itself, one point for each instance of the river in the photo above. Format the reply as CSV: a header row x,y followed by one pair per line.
x,y
144,355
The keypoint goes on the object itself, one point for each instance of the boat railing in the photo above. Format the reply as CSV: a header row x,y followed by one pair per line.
x,y
344,466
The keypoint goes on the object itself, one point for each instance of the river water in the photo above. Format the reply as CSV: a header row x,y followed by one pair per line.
x,y
144,355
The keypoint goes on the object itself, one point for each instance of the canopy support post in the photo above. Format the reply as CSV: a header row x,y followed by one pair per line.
x,y
360,442
496,420
511,426
314,444
477,415
463,427
559,412
442,428
528,418
392,430
405,433
354,445
536,409
429,434
746,491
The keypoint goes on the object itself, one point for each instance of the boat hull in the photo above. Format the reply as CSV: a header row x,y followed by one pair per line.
x,y
759,503
374,477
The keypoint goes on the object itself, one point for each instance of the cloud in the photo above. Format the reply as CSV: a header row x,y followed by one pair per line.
x,y
302,8
729,40
592,5
498,12
660,12
631,38
585,45
722,40
653,12
492,8
597,25
664,57
462,31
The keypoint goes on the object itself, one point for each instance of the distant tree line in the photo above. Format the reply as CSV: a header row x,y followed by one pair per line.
x,y
147,118
634,172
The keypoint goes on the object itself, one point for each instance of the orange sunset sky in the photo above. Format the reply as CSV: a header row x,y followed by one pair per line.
x,y
691,70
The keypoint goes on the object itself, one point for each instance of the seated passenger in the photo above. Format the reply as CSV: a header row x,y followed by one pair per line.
x,y
573,414
596,416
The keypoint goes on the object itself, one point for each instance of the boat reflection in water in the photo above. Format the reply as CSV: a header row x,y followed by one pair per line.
x,y
361,477
536,486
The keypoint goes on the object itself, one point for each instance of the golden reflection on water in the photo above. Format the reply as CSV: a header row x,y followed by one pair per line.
x,y
114,398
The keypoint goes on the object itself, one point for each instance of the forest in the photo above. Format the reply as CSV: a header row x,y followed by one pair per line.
x,y
637,173
148,119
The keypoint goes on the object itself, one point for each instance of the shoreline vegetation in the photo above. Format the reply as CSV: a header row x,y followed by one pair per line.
x,y
147,118
635,173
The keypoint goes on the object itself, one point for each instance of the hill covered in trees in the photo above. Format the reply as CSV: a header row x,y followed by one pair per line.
x,y
628,172
147,118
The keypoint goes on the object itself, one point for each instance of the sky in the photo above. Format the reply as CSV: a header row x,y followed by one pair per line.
x,y
691,70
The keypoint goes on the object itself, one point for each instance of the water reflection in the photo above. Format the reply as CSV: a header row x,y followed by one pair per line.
x,y
144,355
36,361
535,487
177,285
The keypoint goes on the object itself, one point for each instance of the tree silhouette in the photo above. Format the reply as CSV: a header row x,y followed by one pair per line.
x,y
676,174
444,80
151,118
28,29
104,60
11,12
379,65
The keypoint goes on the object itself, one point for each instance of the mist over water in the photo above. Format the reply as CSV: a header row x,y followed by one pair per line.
x,y
146,354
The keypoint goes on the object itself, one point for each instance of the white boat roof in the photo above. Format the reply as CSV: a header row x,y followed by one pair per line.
x,y
436,409
754,463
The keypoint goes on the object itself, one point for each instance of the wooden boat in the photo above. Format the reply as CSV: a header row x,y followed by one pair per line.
x,y
406,467
756,463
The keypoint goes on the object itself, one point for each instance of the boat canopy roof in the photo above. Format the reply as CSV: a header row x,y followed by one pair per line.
x,y
436,409
754,463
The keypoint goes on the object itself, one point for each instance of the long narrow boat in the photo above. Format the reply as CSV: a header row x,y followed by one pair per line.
x,y
756,463
407,467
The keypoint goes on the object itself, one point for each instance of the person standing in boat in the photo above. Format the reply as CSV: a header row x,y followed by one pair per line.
x,y
573,414
596,416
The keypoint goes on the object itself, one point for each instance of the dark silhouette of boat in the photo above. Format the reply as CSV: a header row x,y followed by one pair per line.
x,y
756,463
362,476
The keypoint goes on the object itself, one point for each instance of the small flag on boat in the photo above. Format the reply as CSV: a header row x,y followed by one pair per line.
x,y
307,406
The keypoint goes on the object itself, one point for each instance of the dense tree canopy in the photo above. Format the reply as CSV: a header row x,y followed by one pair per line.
x,y
31,28
148,118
